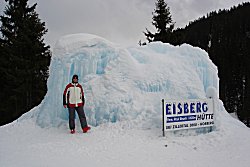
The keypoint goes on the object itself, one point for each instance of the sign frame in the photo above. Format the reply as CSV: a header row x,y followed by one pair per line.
x,y
187,114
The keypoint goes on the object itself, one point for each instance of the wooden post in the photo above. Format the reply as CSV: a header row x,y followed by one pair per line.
x,y
163,121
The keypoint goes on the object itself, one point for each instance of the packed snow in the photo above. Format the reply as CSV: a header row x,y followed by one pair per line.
x,y
123,89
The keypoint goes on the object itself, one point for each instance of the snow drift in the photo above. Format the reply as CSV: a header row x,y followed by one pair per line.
x,y
124,83
125,86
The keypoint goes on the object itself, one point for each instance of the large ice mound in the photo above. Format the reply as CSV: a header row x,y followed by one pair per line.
x,y
124,83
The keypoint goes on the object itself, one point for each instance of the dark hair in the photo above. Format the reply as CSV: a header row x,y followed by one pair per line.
x,y
74,76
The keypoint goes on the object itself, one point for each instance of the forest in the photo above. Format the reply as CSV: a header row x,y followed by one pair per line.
x,y
225,36
25,60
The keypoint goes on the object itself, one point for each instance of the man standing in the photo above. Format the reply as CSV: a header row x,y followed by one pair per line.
x,y
73,99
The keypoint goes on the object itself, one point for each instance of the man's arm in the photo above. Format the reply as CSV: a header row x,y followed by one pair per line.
x,y
64,95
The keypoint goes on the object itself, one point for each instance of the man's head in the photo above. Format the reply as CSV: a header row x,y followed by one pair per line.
x,y
75,78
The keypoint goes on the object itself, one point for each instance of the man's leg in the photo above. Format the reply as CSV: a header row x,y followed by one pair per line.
x,y
82,116
72,118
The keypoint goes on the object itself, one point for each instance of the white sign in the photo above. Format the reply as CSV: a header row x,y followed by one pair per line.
x,y
185,114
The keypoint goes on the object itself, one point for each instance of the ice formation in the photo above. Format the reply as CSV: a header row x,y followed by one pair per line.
x,y
124,83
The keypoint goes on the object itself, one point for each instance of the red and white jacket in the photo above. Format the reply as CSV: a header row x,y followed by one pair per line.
x,y
73,95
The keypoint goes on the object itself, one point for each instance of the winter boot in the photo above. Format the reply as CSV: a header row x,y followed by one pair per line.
x,y
86,129
72,131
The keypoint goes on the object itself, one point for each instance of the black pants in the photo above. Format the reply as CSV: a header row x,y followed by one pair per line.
x,y
81,116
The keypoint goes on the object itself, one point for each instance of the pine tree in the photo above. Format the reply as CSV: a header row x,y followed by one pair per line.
x,y
225,36
162,20
26,57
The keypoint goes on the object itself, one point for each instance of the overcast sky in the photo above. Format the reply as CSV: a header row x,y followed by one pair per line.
x,y
120,21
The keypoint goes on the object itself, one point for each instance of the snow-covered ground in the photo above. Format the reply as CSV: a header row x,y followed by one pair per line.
x,y
123,89
119,144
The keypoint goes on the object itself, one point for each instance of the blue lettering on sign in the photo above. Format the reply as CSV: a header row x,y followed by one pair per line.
x,y
192,108
168,109
205,116
180,109
174,108
185,108
186,111
204,107
198,107
181,118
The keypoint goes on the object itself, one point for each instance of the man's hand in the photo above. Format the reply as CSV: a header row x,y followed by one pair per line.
x,y
65,106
